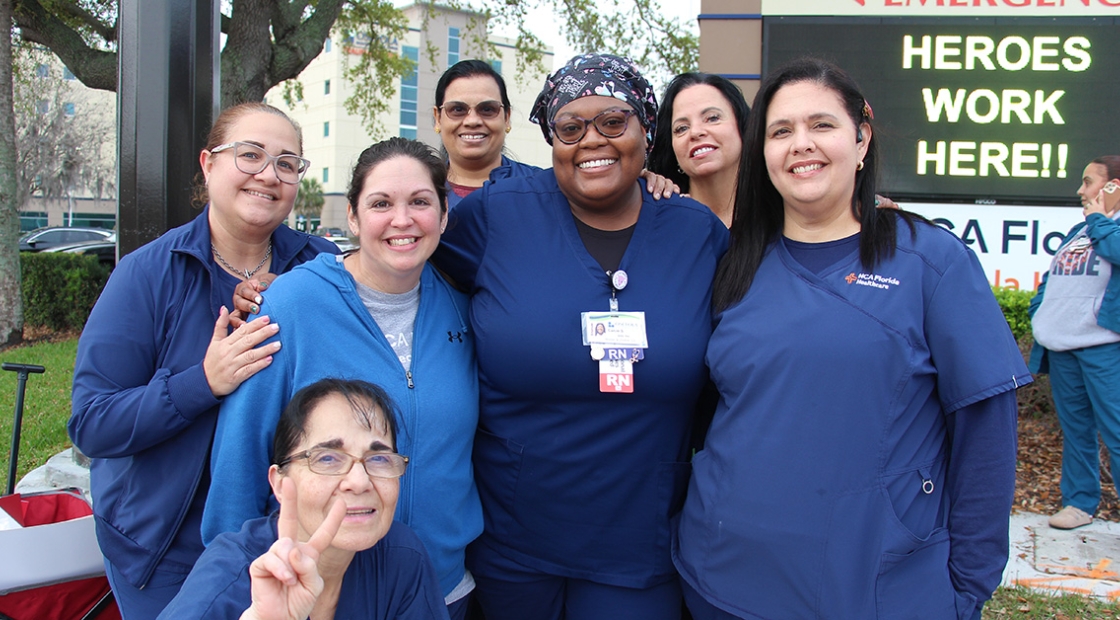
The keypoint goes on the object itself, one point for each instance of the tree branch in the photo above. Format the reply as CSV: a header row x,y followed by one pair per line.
x,y
88,19
95,68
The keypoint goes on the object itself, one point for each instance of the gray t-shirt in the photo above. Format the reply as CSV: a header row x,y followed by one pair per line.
x,y
1067,318
395,314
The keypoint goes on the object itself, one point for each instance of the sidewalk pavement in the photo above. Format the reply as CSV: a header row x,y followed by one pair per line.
x,y
1083,561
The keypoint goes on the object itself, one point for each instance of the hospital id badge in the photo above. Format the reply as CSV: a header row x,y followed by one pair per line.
x,y
616,376
614,329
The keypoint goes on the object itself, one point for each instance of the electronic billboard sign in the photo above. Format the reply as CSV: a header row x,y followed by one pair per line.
x,y
988,110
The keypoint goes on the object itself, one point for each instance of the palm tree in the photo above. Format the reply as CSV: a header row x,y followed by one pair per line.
x,y
309,200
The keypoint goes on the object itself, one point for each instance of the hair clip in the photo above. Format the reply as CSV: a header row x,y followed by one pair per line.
x,y
867,110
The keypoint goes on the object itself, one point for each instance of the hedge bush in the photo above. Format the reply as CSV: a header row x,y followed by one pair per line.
x,y
1014,304
59,289
1034,399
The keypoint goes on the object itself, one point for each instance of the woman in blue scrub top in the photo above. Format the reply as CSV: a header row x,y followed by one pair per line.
x,y
861,461
582,452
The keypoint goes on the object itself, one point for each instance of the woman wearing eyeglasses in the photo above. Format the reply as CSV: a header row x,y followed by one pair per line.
x,y
581,454
382,314
332,549
472,118
156,357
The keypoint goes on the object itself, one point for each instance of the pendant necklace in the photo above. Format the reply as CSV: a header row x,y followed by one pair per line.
x,y
248,272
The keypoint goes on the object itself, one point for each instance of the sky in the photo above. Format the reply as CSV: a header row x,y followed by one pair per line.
x,y
684,10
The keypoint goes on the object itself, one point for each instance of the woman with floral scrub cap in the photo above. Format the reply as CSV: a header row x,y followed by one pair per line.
x,y
472,115
581,455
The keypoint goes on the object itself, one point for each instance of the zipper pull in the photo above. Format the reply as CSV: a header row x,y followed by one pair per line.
x,y
408,375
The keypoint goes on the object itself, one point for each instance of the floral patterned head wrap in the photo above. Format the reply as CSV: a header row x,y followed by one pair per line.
x,y
597,74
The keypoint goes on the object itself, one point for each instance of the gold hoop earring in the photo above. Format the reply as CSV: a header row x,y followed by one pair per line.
x,y
859,166
437,128
508,128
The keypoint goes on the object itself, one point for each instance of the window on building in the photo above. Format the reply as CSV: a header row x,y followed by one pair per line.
x,y
452,46
326,129
327,87
409,96
496,65
30,220
43,106
42,71
326,175
327,45
93,220
67,74
68,109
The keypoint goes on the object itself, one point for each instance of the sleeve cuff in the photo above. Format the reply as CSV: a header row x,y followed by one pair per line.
x,y
190,393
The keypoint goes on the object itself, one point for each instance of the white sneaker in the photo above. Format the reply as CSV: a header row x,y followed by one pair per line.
x,y
1070,517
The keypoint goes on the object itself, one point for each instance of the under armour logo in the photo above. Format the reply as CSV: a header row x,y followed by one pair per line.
x,y
456,336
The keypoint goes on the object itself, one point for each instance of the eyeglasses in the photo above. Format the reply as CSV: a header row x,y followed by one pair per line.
x,y
609,124
457,110
252,159
338,463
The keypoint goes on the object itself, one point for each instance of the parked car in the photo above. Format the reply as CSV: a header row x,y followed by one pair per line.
x,y
105,251
331,232
344,244
43,238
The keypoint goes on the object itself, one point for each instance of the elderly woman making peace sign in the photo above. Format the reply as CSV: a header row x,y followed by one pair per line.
x,y
333,550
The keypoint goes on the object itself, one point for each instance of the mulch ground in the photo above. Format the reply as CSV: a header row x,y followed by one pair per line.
x,y
1039,470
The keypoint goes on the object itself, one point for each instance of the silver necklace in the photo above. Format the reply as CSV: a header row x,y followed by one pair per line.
x,y
248,272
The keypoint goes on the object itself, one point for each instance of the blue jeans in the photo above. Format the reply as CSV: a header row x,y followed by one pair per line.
x,y
1086,387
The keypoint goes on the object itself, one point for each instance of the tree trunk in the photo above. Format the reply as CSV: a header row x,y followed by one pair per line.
x,y
11,301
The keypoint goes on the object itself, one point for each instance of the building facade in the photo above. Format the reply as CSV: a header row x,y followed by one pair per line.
x,y
437,38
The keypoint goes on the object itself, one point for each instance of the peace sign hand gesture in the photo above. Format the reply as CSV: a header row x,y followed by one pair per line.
x,y
285,580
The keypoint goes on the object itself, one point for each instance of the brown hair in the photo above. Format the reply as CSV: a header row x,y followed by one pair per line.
x,y
391,149
219,133
1111,165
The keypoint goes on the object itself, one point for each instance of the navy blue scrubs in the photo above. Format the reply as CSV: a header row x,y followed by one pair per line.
x,y
822,488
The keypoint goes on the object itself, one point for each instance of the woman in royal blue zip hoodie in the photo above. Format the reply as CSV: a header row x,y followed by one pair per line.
x,y
380,314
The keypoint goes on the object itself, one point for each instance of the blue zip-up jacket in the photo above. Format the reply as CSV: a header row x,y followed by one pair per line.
x,y
142,408
1104,232
327,332
508,170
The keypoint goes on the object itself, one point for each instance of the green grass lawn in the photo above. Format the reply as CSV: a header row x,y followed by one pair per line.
x,y
1023,604
47,408
46,405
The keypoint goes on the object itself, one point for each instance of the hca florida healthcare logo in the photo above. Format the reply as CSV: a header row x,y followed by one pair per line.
x,y
871,279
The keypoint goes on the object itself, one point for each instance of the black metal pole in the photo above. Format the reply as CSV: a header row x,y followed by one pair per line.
x,y
23,370
167,96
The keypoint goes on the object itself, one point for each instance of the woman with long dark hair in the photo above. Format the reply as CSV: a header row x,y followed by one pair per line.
x,y
861,461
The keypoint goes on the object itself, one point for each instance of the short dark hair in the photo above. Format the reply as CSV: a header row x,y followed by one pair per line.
x,y
391,149
466,69
663,160
369,403
759,209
